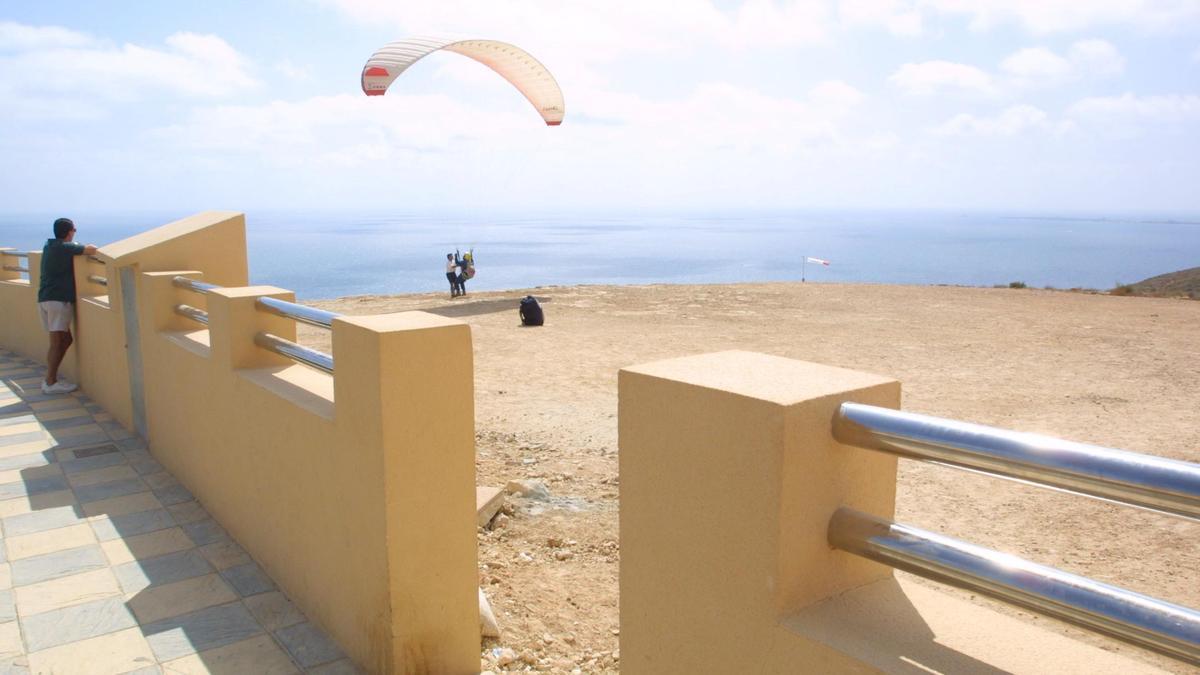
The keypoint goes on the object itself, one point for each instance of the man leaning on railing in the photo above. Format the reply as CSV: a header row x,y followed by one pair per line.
x,y
56,299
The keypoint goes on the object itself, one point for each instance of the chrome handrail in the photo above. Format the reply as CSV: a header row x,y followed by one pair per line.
x,y
194,313
97,279
1140,620
194,285
1156,483
16,268
296,352
15,254
274,343
301,313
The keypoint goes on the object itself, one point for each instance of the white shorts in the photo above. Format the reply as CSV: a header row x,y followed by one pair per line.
x,y
56,316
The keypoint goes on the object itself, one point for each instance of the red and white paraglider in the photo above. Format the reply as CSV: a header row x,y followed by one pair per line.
x,y
512,63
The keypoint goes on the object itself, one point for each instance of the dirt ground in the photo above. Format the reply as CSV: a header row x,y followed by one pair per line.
x,y
1114,371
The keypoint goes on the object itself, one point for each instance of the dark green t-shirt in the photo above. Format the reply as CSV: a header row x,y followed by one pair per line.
x,y
58,270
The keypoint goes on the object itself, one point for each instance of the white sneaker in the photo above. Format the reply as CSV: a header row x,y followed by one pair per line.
x,y
60,387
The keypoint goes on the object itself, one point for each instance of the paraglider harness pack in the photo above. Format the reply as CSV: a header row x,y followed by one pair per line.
x,y
531,312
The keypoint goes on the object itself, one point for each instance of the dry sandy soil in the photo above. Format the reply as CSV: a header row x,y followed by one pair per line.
x,y
1115,371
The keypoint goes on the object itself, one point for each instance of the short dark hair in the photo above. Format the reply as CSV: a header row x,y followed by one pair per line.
x,y
63,227
449,256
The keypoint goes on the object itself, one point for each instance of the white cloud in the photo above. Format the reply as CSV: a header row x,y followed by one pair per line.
x,y
1097,58
937,76
1051,16
899,17
19,37
1037,63
51,62
292,71
835,94
1039,66
601,31
1166,109
1130,116
1010,122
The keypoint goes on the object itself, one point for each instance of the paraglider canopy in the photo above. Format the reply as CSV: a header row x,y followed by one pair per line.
x,y
514,64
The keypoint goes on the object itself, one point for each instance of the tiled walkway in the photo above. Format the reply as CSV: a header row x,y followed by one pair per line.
x,y
108,565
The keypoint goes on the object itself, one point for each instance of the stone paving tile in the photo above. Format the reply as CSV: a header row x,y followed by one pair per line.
x,y
89,438
105,475
44,471
119,652
10,641
142,546
248,579
259,655
47,500
107,448
117,488
141,574
118,506
187,512
132,524
343,667
91,462
66,591
101,534
273,610
25,460
38,543
32,486
58,564
76,420
180,597
37,521
15,439
78,622
308,645
175,494
224,554
200,631
131,444
204,532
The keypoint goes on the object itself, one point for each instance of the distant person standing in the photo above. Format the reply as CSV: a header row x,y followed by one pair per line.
x,y
56,299
452,275
462,272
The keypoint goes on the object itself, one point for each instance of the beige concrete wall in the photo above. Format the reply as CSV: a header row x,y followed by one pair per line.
x,y
354,492
20,324
729,477
102,366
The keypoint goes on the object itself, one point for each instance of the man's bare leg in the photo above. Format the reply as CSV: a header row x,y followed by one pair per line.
x,y
60,342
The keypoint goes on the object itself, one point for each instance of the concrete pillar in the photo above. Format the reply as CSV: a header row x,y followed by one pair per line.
x,y
9,261
161,297
234,320
729,475
404,383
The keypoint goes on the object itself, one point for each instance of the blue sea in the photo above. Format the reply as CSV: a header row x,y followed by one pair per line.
x,y
332,254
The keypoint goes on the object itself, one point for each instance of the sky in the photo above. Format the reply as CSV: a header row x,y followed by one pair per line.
x,y
1011,105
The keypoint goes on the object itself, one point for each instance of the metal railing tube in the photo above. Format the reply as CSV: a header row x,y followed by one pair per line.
x,y
1146,481
301,313
194,313
1132,617
16,268
97,279
310,357
194,285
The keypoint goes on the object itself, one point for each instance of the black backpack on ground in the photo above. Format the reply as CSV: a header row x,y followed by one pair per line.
x,y
531,312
